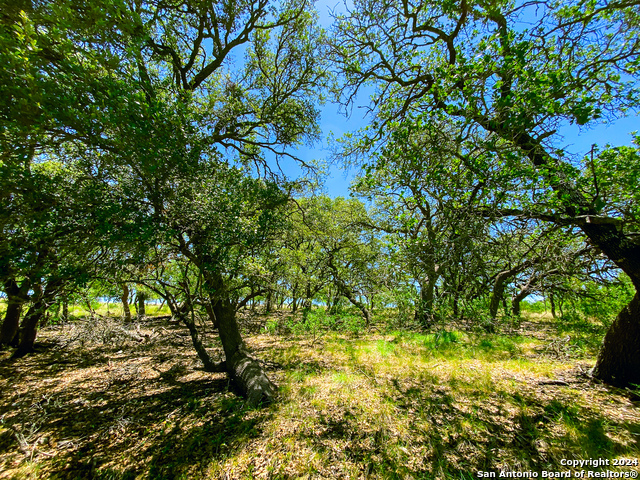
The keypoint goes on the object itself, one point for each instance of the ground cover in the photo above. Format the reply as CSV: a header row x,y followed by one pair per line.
x,y
104,400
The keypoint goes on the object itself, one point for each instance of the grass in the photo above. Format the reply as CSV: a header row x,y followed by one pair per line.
x,y
101,308
115,309
395,405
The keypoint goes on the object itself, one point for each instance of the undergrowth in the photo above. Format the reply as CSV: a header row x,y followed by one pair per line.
x,y
352,404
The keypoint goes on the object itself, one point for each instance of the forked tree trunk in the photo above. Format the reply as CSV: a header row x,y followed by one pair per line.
x,y
245,372
349,295
29,326
618,361
500,284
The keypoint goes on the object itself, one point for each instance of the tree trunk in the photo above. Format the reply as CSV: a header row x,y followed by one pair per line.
x,y
333,303
552,301
307,301
268,302
203,355
618,361
498,292
347,292
29,326
11,321
424,309
16,297
294,296
141,310
65,309
245,372
29,330
125,303
456,307
517,300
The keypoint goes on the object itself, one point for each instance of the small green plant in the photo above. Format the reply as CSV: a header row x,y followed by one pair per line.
x,y
350,323
442,338
272,326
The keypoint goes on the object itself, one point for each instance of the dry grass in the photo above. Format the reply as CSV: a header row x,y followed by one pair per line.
x,y
400,405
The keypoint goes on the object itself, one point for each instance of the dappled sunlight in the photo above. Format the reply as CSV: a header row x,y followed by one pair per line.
x,y
377,405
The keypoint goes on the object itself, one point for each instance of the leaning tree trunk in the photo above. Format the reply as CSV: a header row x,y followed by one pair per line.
x,y
618,361
245,372
517,300
347,292
29,329
209,364
349,295
500,284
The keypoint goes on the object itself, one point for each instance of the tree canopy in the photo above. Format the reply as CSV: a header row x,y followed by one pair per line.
x,y
141,145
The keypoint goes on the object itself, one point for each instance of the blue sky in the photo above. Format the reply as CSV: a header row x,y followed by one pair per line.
x,y
576,140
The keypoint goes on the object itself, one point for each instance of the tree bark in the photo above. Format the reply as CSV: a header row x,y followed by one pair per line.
x,y
141,310
424,309
29,326
16,297
618,361
517,300
11,321
294,301
500,283
209,364
268,302
552,302
244,371
124,297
